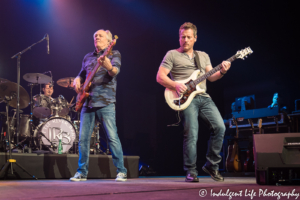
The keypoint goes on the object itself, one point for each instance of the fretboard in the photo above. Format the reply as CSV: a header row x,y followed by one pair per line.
x,y
91,75
211,72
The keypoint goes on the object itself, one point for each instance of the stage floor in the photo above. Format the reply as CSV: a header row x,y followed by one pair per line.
x,y
142,188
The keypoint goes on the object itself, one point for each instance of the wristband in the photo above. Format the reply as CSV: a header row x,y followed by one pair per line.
x,y
222,73
111,69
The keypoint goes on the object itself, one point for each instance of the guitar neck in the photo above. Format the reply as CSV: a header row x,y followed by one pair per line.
x,y
91,75
214,70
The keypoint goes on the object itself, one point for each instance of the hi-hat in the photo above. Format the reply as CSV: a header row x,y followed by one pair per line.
x,y
37,78
66,82
10,89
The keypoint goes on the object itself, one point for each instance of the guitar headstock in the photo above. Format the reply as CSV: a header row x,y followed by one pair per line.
x,y
115,40
243,53
110,46
259,123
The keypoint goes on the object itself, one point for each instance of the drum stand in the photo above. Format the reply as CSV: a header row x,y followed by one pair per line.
x,y
18,145
96,142
31,125
97,149
11,161
28,148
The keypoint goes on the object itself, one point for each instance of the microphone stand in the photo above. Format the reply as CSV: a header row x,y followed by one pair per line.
x,y
10,160
9,164
18,55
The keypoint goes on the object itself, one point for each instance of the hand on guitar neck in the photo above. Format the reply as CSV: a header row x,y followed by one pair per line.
x,y
104,62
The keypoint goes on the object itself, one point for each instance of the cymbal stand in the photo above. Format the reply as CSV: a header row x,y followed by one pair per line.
x,y
31,111
97,138
11,161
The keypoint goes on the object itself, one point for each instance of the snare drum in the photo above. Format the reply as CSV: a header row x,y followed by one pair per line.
x,y
54,129
41,106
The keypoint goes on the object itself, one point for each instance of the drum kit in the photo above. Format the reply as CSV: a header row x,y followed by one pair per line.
x,y
48,122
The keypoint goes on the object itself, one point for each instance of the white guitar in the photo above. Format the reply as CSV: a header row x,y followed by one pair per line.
x,y
182,101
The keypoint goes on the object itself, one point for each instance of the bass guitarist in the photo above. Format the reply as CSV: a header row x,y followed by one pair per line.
x,y
100,104
182,63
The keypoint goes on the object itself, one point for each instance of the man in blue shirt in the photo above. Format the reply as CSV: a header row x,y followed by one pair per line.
x,y
100,104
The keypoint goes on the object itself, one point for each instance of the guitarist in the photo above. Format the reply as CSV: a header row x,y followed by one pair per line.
x,y
100,104
182,63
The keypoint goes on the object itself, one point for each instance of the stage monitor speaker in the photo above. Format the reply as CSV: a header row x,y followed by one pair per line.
x,y
277,158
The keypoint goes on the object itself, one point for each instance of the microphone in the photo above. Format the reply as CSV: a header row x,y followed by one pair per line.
x,y
47,38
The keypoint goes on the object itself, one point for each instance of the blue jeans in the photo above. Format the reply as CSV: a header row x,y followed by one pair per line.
x,y
87,122
205,109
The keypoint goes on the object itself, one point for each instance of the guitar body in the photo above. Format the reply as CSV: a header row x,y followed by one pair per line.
x,y
181,102
237,164
233,163
230,159
81,97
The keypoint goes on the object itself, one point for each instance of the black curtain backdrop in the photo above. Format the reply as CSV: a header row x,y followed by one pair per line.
x,y
147,30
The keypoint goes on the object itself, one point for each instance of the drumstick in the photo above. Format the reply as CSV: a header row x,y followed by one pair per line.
x,y
71,101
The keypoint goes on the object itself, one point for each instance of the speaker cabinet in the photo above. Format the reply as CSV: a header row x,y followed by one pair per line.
x,y
277,158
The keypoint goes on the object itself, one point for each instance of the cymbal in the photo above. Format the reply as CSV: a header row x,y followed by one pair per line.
x,y
66,82
37,78
2,80
10,89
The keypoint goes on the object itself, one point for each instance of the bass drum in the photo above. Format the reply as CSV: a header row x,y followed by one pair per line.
x,y
54,129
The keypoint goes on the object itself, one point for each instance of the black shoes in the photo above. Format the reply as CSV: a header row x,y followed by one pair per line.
x,y
215,174
191,178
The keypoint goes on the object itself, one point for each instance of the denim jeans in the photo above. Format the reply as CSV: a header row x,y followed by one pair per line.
x,y
205,109
87,122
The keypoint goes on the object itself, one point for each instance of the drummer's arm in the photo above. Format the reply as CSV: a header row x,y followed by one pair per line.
x,y
81,76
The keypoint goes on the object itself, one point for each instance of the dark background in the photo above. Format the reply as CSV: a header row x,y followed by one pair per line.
x,y
147,30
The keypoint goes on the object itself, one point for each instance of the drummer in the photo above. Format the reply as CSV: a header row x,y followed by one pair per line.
x,y
48,89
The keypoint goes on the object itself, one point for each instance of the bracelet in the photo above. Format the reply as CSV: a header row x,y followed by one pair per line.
x,y
222,73
111,69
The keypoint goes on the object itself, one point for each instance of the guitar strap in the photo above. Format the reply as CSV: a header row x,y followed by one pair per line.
x,y
197,61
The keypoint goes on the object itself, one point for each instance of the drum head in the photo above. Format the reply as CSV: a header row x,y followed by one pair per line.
x,y
54,129
41,106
